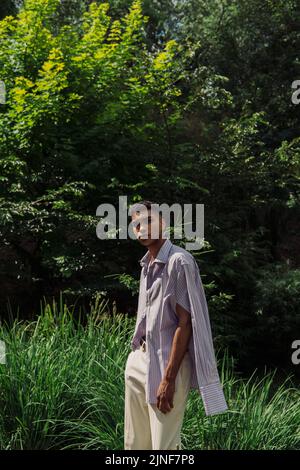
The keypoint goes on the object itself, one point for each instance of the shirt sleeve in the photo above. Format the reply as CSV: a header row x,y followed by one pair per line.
x,y
206,369
181,292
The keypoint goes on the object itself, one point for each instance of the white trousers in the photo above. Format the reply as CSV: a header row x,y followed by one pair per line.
x,y
145,426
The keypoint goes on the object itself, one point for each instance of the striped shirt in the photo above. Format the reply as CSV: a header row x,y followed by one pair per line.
x,y
174,277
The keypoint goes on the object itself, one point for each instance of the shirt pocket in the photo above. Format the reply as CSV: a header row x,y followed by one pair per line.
x,y
154,307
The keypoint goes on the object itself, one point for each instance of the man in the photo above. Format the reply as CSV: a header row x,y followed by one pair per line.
x,y
172,348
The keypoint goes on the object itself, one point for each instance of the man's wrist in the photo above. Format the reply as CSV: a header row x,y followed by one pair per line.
x,y
169,377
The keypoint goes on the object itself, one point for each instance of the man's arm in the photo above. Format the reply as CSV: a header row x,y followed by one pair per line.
x,y
180,344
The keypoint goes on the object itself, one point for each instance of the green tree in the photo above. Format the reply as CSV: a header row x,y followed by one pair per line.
x,y
75,131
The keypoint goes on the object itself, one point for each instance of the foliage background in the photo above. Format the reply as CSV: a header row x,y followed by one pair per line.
x,y
185,102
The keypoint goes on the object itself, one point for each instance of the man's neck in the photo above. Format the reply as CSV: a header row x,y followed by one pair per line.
x,y
155,247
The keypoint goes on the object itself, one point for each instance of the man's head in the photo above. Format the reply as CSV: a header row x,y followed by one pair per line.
x,y
147,221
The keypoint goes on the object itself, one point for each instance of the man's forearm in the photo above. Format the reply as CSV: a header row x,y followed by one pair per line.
x,y
179,347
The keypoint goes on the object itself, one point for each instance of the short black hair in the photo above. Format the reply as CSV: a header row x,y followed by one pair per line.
x,y
150,205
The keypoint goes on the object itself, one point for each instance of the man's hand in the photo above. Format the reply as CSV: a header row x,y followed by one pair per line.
x,y
165,395
166,389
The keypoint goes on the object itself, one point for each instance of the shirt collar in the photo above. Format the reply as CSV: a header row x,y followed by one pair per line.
x,y
162,255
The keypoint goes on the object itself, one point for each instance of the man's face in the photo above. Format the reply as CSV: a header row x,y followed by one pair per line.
x,y
147,225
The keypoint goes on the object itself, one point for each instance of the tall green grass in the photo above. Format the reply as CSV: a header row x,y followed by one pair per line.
x,y
63,388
